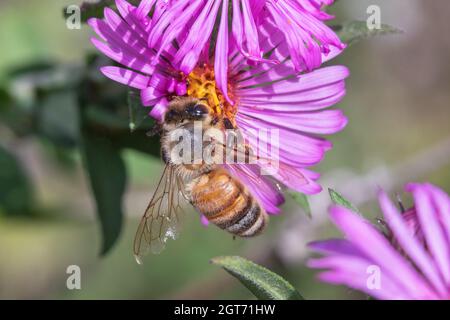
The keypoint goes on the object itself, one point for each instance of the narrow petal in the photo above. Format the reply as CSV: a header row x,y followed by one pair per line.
x,y
151,96
124,59
336,246
275,48
299,83
159,109
322,122
306,36
293,106
441,202
244,30
127,10
127,77
144,8
430,226
176,27
221,54
354,272
200,32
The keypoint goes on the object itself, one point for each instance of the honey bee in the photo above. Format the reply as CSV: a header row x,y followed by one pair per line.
x,y
210,188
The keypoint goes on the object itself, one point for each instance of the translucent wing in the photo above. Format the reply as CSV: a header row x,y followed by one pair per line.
x,y
162,216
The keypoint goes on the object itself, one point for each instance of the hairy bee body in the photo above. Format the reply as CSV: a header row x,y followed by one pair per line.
x,y
216,194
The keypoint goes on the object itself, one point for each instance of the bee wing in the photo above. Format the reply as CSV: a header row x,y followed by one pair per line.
x,y
162,217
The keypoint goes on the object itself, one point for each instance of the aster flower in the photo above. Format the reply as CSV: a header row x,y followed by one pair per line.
x,y
265,96
413,258
191,24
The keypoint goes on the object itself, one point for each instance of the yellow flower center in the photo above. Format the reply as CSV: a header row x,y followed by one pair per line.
x,y
201,84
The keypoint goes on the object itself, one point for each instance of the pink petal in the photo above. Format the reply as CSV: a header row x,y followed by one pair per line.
x,y
159,109
144,8
430,226
189,52
352,271
120,52
245,31
336,246
322,122
441,202
409,243
293,106
221,54
313,80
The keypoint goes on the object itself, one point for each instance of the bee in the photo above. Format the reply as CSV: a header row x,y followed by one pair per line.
x,y
210,188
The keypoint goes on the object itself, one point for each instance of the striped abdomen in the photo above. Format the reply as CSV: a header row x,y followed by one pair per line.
x,y
228,204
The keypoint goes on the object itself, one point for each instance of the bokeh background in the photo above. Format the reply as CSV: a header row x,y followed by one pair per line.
x,y
398,104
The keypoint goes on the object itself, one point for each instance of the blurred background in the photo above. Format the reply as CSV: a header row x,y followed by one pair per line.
x,y
398,104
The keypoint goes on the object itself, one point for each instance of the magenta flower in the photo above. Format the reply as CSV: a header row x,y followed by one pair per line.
x,y
191,24
413,258
264,96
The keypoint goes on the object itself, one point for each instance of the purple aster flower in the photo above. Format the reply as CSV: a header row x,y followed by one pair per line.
x,y
191,24
412,259
271,96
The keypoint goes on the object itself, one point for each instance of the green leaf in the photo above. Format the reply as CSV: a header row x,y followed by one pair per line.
x,y
302,200
116,129
339,200
139,141
13,115
99,117
263,283
16,196
56,117
31,68
354,31
107,177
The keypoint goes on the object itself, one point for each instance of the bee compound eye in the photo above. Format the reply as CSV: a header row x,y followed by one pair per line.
x,y
199,110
